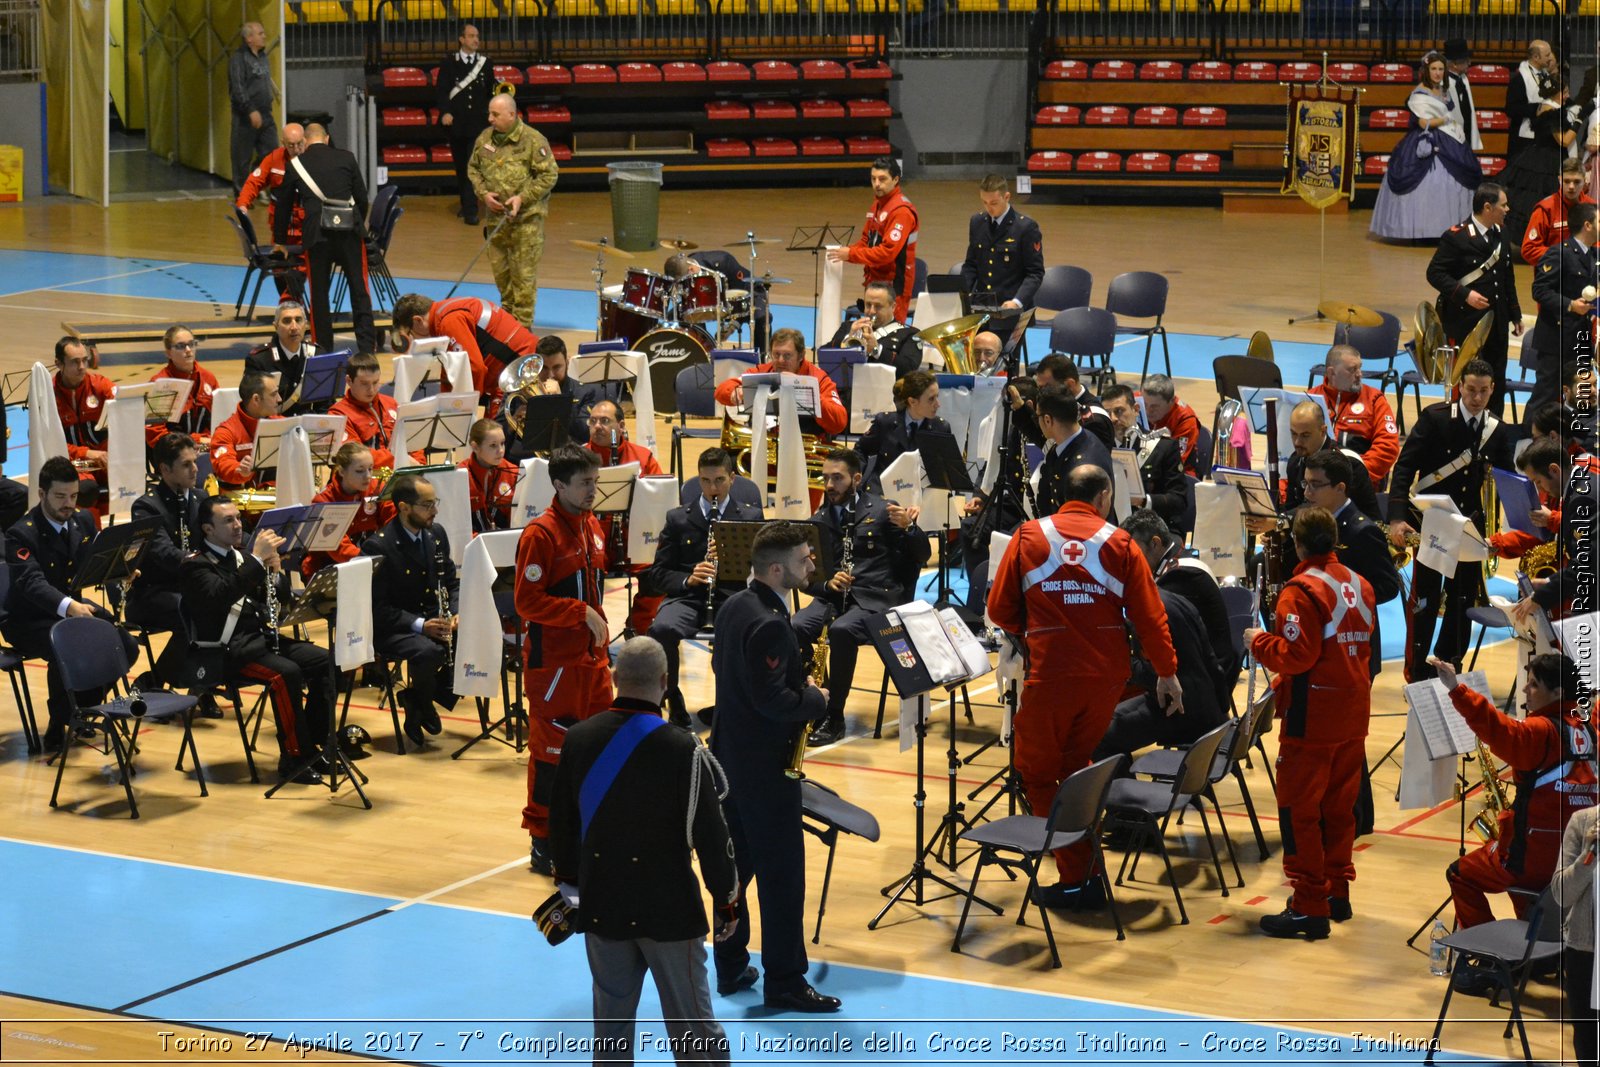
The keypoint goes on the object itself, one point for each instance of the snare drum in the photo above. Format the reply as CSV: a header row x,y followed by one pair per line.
x,y
644,292
668,351
700,297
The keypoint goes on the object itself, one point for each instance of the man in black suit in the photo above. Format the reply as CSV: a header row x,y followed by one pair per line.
x,y
1067,445
325,177
232,600
1566,317
153,597
1472,271
1005,251
1057,369
461,93
415,593
1186,576
684,572
1449,451
1525,91
1308,434
1166,491
1457,61
879,334
1361,546
44,551
286,354
886,551
763,697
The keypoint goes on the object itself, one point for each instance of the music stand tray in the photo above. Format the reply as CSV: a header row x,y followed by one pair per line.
x,y
115,553
322,382
614,490
163,399
943,463
817,238
446,421
545,421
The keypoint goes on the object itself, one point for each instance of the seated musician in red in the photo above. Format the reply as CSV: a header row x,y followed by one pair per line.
x,y
1363,422
369,416
233,444
1164,411
788,356
491,478
194,418
1556,422
352,482
491,338
81,395
607,440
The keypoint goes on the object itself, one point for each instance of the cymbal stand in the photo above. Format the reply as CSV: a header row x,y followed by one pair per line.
x,y
750,237
599,272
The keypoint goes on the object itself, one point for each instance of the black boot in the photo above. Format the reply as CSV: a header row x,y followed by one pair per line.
x,y
1290,923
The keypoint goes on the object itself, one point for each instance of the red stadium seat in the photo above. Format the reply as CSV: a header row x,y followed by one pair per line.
x,y
773,146
1040,161
1106,115
1156,115
1099,161
593,73
821,109
869,107
433,75
869,69
1493,120
638,72
727,148
560,152
1256,70
822,68
404,116
1149,163
772,109
505,72
680,71
1205,116
1389,118
1210,71
547,115
1299,71
1492,164
1488,74
1375,166
404,78
1391,73
397,154
1114,70
440,153
548,74
1058,115
726,70
821,146
1198,163
1348,72
775,70
867,145
1061,70
727,109
433,116
1161,70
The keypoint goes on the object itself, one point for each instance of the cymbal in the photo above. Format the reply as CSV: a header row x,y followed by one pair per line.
x,y
678,244
758,240
767,279
596,246
1349,314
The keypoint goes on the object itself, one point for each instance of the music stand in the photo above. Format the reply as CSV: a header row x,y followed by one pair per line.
x,y
813,239
323,380
163,398
268,442
446,422
115,553
614,497
597,366
307,528
945,469
320,602
324,435
544,423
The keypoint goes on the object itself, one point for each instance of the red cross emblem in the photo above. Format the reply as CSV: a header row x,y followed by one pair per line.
x,y
1072,552
1348,593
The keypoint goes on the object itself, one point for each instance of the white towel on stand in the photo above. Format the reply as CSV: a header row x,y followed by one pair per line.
x,y
353,614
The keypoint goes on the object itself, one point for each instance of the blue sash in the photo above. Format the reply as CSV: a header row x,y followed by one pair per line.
x,y
597,783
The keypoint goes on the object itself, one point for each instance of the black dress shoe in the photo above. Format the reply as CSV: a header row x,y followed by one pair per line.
x,y
207,708
677,712
1088,897
539,861
1339,909
1475,980
412,728
1290,923
826,734
805,999
745,980
308,776
470,220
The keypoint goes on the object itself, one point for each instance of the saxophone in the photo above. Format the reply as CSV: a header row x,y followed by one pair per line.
x,y
818,669
1486,824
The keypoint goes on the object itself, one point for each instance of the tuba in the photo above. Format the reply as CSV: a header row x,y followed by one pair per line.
x,y
1434,354
1541,561
954,339
520,379
1224,454
737,439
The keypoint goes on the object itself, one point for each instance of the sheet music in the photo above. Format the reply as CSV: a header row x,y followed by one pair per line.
x,y
331,521
1576,635
928,637
974,657
156,408
1127,481
1445,734
1255,496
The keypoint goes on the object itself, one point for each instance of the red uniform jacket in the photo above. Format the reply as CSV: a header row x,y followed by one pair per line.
x,y
467,321
80,409
832,419
1065,582
1514,544
1321,650
1552,752
195,418
1547,226
492,492
887,248
373,426
374,514
233,441
264,180
627,452
1183,427
1364,418
560,565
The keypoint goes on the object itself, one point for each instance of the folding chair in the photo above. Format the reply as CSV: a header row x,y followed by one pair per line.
x,y
696,390
1141,294
202,669
1162,764
13,664
260,261
1089,336
833,815
1075,814
1061,289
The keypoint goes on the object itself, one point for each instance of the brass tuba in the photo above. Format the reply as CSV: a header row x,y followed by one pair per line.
x,y
520,379
737,439
1434,355
953,339
1541,561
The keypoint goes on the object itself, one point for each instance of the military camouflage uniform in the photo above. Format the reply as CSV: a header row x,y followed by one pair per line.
x,y
518,163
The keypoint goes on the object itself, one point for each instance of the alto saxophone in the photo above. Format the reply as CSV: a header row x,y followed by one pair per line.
x,y
1486,824
818,669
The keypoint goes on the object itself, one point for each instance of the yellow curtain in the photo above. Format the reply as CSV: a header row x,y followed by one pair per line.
x,y
77,46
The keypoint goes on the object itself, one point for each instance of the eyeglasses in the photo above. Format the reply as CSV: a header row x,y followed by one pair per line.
x,y
186,346
431,505
1308,484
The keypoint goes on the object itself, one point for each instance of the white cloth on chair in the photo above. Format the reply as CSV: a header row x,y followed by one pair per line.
x,y
478,634
534,492
353,614
46,437
455,509
125,449
871,394
652,498
224,402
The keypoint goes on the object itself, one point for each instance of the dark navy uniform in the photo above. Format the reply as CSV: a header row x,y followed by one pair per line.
x,y
153,598
1558,280
762,700
682,544
1364,549
44,563
463,90
405,593
338,175
1359,488
898,347
270,358
1440,439
889,436
1005,258
1471,259
295,674
1166,491
1060,460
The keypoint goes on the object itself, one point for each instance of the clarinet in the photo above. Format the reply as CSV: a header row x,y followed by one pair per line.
x,y
1022,474
711,557
619,530
441,594
272,610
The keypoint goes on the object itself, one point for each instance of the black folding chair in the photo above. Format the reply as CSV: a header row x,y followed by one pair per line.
x,y
1141,294
261,262
831,816
13,663
1061,288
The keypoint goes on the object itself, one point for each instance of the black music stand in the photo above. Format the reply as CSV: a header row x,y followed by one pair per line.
x,y
161,399
322,382
544,423
814,239
115,553
448,428
321,601
307,528
515,721
946,469
614,497
906,668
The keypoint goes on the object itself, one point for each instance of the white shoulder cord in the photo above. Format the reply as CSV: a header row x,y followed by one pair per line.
x,y
702,759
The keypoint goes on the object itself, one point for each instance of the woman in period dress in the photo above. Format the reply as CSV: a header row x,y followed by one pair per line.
x,y
1428,186
1535,173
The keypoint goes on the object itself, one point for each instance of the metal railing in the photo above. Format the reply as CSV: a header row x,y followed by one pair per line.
x,y
21,49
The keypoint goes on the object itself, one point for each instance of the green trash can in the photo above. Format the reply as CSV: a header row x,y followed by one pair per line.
x,y
635,204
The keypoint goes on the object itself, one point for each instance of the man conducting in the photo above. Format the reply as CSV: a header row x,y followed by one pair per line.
x,y
514,173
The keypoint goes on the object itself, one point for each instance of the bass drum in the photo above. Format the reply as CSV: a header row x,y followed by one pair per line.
x,y
668,351
617,321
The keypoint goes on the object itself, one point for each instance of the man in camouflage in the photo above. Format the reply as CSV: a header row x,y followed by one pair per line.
x,y
513,171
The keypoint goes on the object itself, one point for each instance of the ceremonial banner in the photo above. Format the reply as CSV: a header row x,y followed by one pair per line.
x,y
1319,152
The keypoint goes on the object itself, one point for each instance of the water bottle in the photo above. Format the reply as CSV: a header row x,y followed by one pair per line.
x,y
1438,951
